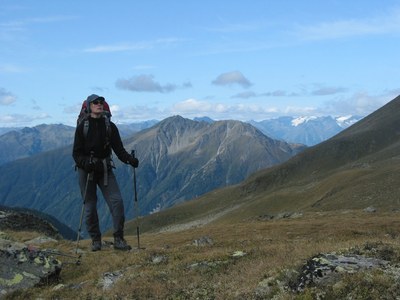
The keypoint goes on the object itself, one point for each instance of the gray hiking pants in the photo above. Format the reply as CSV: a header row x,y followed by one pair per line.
x,y
113,198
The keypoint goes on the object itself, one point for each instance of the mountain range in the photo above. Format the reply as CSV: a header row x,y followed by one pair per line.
x,y
180,159
305,130
358,168
16,143
28,141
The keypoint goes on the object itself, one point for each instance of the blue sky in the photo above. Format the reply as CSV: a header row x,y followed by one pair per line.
x,y
244,60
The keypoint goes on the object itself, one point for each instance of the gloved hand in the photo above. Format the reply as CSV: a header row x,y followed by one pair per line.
x,y
133,161
88,166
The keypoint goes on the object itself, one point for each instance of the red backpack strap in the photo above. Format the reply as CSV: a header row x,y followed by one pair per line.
x,y
106,108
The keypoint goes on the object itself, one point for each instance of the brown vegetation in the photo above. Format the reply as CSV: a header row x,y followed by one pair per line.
x,y
172,267
264,229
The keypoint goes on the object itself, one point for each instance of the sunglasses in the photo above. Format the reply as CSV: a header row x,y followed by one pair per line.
x,y
95,102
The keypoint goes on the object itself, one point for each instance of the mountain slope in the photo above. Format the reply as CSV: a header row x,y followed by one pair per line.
x,y
4,130
29,141
357,168
23,219
179,159
203,156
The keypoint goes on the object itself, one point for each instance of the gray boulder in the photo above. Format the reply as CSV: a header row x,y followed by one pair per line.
x,y
23,267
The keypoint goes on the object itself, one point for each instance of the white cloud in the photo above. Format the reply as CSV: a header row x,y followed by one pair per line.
x,y
114,108
196,108
357,104
9,68
230,78
245,95
360,103
192,105
116,48
133,46
325,91
385,24
278,93
18,119
138,113
6,98
146,83
9,29
317,91
299,110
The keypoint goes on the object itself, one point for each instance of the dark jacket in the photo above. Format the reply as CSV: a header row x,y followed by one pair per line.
x,y
96,141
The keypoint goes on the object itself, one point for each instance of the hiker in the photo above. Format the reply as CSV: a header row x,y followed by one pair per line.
x,y
95,138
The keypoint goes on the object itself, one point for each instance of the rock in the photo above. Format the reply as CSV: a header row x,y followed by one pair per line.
x,y
208,264
8,245
109,279
325,269
41,240
238,254
158,259
370,209
263,289
203,241
265,217
283,215
23,267
286,215
19,220
58,287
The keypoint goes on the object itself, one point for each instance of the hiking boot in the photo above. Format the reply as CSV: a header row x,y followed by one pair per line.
x,y
96,245
120,244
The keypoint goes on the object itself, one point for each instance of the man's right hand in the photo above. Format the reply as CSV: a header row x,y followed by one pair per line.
x,y
89,166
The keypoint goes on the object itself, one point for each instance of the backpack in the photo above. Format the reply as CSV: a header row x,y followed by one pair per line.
x,y
83,117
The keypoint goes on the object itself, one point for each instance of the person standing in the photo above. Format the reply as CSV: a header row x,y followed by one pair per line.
x,y
94,141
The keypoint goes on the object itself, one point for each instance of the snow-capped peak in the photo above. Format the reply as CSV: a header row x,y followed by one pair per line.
x,y
346,121
301,120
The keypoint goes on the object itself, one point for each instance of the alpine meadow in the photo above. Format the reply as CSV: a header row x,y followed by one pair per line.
x,y
322,224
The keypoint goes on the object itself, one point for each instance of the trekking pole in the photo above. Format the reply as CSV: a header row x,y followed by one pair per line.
x,y
136,203
88,177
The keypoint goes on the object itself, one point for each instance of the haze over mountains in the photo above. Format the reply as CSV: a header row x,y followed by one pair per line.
x,y
18,143
179,159
305,130
358,168
30,141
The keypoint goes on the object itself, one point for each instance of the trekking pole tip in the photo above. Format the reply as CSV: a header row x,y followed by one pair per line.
x,y
78,261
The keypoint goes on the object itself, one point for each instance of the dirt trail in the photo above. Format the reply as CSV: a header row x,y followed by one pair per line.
x,y
199,222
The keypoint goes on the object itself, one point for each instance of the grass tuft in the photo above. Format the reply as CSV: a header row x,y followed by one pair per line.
x,y
247,260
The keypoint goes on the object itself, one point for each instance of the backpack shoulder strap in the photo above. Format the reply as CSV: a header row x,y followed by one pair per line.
x,y
108,131
85,128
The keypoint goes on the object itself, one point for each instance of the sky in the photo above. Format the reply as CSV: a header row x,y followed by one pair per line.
x,y
242,60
